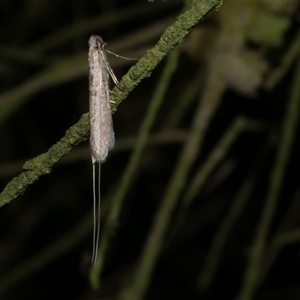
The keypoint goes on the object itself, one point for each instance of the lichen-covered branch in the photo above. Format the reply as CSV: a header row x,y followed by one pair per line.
x,y
173,35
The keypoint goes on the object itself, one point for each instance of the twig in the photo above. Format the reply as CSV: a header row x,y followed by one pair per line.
x,y
43,164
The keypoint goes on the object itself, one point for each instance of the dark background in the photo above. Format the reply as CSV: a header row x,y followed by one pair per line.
x,y
36,36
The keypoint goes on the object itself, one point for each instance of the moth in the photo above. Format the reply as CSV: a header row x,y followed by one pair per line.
x,y
102,136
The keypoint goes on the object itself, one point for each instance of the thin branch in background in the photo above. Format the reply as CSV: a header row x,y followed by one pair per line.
x,y
283,235
214,253
211,162
184,100
251,276
285,239
288,59
206,108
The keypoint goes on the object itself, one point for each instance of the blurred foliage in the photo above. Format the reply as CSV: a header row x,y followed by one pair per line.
x,y
204,136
